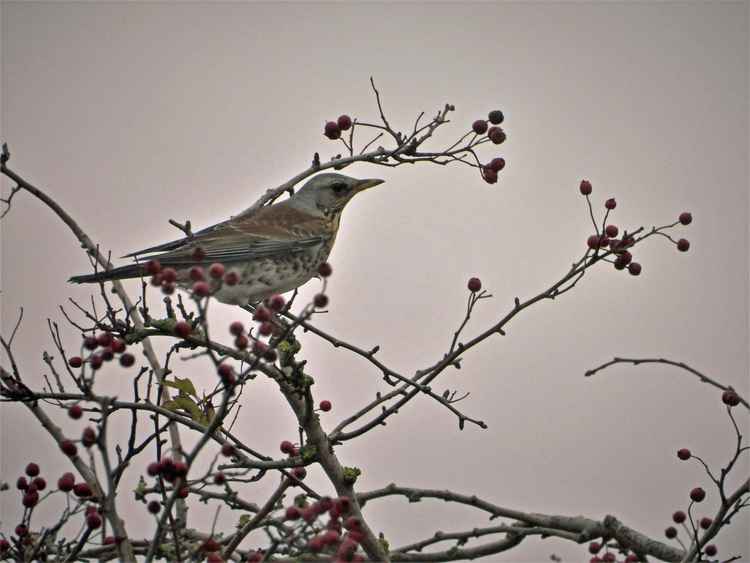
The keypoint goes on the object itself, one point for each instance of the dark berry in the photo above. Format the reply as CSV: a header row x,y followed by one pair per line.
x,y
292,513
679,517
241,342
182,329
22,483
236,328
671,532
479,126
276,302
594,547
610,203
611,231
197,274
21,530
496,135
168,288
40,483
474,285
634,268
32,469
75,412
684,454
93,521
320,300
706,522
88,437
220,478
265,329
82,490
496,117
68,448
153,267
118,346
90,343
730,398
127,360
489,175
104,339
199,254
325,270
107,355
497,164
711,550
325,405
344,122
299,473
270,355
75,362
154,507
686,218
66,482
262,314
332,130
585,187
697,494
227,450
683,245
231,278
287,447
168,275
96,361
154,468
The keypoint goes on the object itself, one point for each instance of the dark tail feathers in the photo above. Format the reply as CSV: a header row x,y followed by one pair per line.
x,y
123,272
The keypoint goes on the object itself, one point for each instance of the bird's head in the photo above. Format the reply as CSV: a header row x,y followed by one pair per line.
x,y
331,192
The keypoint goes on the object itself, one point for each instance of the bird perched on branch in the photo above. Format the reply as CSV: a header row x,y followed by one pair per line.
x,y
276,249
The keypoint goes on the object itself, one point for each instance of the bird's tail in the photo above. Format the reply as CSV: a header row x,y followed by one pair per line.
x,y
123,272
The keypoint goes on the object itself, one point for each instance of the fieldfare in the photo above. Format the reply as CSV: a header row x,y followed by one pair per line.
x,y
274,250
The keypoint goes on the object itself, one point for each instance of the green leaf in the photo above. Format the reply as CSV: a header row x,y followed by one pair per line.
x,y
185,386
186,404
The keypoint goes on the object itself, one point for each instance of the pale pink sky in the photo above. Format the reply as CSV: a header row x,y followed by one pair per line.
x,y
132,113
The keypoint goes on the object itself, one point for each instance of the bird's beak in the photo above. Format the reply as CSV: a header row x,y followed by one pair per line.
x,y
363,185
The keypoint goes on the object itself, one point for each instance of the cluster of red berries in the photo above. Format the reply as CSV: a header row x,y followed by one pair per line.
x,y
332,536
110,346
171,471
623,258
679,517
494,133
88,439
608,557
288,448
30,488
333,129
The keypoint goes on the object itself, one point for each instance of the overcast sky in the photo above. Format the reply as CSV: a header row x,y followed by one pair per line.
x,y
132,114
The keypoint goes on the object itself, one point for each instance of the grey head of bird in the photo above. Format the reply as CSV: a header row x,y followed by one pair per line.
x,y
330,192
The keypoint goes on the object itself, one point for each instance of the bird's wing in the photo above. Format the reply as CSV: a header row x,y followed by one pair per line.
x,y
273,230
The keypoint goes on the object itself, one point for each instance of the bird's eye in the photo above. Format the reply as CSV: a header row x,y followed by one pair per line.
x,y
340,188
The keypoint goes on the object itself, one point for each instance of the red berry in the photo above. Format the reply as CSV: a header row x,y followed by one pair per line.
x,y
585,187
299,473
182,329
276,302
227,450
610,203
474,285
706,522
632,558
197,274
169,275
231,278
671,532
183,492
496,135
730,398
118,346
697,494
216,271
344,122
40,483
96,361
634,268
66,482
82,490
90,343
683,454
686,218
241,342
343,505
683,245
332,130
320,300
154,468
496,117
108,355
265,329
609,557
154,507
201,289
93,521
611,231
68,448
153,267
236,328
259,347
497,164
199,254
325,270
127,360
104,339
292,513
21,530
287,447
168,288
679,517
479,126
489,175
75,362
325,405
32,469
22,484
593,241
155,280
225,371
594,547
75,412
262,314
4,545
88,437
220,478
270,355
711,550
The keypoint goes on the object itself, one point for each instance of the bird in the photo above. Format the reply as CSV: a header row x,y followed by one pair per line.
x,y
274,250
